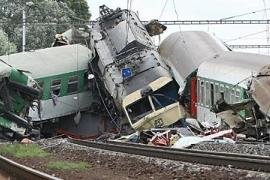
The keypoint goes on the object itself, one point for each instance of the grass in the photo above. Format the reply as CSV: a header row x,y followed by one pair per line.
x,y
68,165
23,150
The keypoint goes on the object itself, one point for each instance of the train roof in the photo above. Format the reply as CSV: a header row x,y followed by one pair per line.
x,y
184,51
51,61
233,67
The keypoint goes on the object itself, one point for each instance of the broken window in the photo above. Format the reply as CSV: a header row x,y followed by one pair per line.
x,y
55,87
164,96
139,109
72,84
41,84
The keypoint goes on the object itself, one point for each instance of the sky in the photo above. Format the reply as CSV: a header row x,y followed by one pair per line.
x,y
202,10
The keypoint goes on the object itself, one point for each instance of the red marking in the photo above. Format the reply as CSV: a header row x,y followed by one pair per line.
x,y
162,139
193,108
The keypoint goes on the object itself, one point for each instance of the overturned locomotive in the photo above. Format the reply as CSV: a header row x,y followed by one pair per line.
x,y
132,73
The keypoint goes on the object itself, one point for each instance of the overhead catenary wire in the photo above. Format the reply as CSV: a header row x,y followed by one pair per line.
x,y
246,35
267,26
176,13
244,14
163,9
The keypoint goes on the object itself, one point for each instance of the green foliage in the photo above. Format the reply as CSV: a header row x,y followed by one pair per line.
x,y
44,19
79,7
23,150
6,47
68,165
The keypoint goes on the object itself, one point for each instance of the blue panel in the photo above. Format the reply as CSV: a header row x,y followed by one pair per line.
x,y
126,72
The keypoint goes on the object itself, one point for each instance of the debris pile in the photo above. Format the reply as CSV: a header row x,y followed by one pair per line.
x,y
181,137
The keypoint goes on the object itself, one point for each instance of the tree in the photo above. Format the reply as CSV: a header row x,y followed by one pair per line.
x,y
6,47
79,7
44,19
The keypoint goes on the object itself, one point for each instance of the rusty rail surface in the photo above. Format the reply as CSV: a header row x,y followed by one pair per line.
x,y
242,161
22,172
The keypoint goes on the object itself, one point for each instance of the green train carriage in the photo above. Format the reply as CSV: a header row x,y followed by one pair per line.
x,y
62,73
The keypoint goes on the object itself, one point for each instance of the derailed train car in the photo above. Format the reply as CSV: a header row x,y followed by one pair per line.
x,y
18,94
132,72
68,98
220,88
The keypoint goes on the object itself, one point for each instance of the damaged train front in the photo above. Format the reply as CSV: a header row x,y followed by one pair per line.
x,y
18,93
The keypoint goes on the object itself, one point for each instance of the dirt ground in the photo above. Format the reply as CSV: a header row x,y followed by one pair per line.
x,y
123,167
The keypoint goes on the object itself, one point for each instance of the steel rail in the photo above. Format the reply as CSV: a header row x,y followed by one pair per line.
x,y
22,172
250,162
206,22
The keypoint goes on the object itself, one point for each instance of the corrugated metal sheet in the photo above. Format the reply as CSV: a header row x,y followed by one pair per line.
x,y
51,61
233,67
185,51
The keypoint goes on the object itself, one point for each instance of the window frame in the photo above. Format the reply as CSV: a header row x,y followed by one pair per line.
x,y
72,82
56,87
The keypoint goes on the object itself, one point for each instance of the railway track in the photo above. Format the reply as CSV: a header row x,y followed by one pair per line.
x,y
22,172
248,162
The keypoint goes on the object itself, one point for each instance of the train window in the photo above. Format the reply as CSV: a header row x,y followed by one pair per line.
x,y
164,96
55,87
139,109
207,94
232,95
72,84
237,95
202,93
221,88
212,94
198,91
217,93
41,84
227,94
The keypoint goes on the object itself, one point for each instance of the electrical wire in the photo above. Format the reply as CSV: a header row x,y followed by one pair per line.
x,y
267,26
244,36
177,16
102,100
162,11
244,14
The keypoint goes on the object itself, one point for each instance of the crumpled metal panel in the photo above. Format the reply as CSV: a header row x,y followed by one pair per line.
x,y
260,90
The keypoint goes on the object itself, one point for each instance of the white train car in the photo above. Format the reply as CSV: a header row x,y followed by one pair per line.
x,y
207,70
229,74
